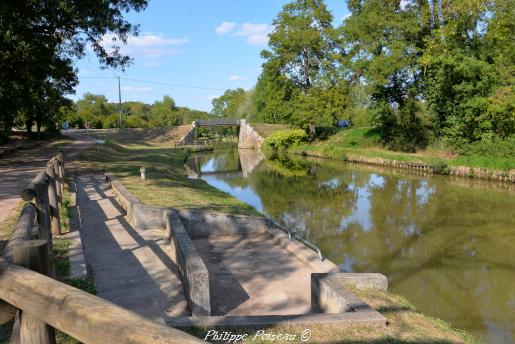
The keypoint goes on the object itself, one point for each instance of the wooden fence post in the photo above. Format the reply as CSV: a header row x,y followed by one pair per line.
x,y
55,222
60,158
55,165
43,210
33,254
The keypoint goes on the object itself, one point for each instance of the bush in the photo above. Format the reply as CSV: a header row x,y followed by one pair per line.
x,y
494,148
283,139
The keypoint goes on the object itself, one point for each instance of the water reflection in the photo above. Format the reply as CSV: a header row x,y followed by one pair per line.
x,y
446,245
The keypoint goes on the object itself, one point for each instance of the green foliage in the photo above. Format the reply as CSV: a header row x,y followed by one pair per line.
x,y
494,148
39,44
233,104
283,139
427,70
94,111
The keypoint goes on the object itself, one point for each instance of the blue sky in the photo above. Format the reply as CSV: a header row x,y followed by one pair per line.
x,y
209,44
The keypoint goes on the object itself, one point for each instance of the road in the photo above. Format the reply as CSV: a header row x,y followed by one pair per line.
x,y
18,169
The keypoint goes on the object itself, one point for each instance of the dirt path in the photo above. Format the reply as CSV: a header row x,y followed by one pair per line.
x,y
18,169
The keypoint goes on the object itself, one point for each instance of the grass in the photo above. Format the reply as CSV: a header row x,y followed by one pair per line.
x,y
167,183
405,325
25,155
364,142
7,226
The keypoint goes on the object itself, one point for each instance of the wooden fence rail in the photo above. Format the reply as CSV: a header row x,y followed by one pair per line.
x,y
38,303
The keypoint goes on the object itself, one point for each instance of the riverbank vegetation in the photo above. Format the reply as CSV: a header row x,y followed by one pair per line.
x,y
366,142
430,76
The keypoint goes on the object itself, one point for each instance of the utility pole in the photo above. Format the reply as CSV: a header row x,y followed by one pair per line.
x,y
120,103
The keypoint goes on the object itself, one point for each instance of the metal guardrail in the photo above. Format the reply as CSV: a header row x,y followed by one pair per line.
x,y
293,237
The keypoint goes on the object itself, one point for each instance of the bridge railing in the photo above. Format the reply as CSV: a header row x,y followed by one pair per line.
x,y
38,303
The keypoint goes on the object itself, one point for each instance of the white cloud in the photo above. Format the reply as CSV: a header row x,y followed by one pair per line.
x,y
146,45
255,33
235,77
225,27
135,89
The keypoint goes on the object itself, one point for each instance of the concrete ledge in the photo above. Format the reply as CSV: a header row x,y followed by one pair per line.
x,y
364,281
194,274
329,295
200,224
329,320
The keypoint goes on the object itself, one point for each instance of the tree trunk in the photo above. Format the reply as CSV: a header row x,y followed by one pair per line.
x,y
28,126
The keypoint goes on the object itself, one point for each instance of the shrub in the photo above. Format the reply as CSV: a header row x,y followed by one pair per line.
x,y
283,139
494,147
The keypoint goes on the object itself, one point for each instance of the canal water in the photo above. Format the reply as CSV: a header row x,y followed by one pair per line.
x,y
447,245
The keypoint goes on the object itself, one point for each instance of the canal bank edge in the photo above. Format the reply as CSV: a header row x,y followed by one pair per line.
x,y
328,293
443,169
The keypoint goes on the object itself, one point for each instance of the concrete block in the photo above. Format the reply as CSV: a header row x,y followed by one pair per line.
x,y
365,281
194,274
330,295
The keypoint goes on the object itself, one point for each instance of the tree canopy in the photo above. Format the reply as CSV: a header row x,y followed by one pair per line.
x,y
39,42
416,69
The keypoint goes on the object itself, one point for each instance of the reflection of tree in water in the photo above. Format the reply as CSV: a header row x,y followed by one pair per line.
x,y
301,202
227,160
444,247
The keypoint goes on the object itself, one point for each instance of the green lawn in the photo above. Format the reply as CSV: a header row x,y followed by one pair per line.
x,y
364,142
167,183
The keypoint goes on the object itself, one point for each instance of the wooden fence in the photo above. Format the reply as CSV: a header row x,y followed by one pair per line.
x,y
39,303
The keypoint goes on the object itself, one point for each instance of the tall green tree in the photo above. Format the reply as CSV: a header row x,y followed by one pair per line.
x,y
229,104
39,42
301,66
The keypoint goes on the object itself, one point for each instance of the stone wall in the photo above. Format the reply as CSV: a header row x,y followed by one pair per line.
x,y
249,137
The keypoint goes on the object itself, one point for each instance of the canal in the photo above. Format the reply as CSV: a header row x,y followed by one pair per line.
x,y
447,245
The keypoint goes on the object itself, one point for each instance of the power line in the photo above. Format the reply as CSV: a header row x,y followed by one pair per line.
x,y
154,82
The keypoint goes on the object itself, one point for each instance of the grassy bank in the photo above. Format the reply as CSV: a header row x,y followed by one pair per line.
x,y
362,145
405,325
167,183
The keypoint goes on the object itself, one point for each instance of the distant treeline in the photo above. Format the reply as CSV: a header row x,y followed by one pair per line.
x,y
94,111
419,70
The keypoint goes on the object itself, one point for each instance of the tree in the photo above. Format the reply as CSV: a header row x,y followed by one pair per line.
x,y
165,112
229,104
299,83
40,40
301,42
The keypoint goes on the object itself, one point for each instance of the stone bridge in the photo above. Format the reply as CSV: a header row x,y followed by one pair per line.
x,y
248,137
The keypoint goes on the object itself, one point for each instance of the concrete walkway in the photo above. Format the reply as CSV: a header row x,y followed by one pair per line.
x,y
250,274
130,267
16,174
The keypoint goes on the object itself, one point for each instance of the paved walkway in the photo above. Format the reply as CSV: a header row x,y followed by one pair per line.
x,y
16,174
249,274
130,267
